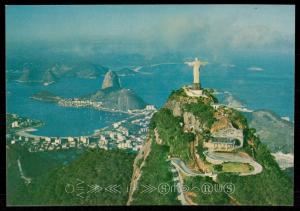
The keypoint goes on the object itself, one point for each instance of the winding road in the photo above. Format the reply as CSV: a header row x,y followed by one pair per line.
x,y
220,157
179,164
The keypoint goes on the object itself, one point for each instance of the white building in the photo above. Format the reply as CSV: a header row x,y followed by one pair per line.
x,y
103,147
120,137
119,145
150,107
15,124
64,146
103,142
72,144
112,135
215,106
51,147
116,124
124,130
57,141
92,145
70,139
231,133
194,93
84,140
143,130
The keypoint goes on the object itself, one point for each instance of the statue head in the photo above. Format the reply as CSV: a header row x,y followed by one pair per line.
x,y
196,59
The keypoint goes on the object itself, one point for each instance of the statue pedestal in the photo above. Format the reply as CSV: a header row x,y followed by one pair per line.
x,y
196,86
191,92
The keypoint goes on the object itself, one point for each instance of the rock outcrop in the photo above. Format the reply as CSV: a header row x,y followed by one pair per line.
x,y
139,162
191,122
222,123
49,77
177,105
111,79
112,95
121,99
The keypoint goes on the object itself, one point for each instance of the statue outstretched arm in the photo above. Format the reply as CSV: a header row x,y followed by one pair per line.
x,y
189,63
204,63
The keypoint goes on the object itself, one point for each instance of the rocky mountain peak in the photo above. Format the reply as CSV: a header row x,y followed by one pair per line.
x,y
111,79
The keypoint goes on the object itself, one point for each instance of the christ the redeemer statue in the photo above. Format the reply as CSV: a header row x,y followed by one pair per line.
x,y
196,71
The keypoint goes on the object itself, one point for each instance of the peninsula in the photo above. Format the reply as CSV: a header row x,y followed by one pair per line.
x,y
110,97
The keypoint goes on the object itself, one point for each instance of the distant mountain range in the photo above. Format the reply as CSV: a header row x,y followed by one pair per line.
x,y
276,133
47,75
51,73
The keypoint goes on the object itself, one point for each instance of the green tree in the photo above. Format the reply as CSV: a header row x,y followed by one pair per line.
x,y
218,168
189,137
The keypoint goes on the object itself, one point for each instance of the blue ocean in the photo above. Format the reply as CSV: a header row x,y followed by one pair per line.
x,y
259,81
59,121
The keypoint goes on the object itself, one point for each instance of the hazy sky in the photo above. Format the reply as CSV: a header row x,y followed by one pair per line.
x,y
238,26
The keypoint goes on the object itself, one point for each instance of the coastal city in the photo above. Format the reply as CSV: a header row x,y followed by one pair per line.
x,y
80,103
128,134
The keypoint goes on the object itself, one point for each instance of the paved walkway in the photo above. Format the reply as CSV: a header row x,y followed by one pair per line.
x,y
26,179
